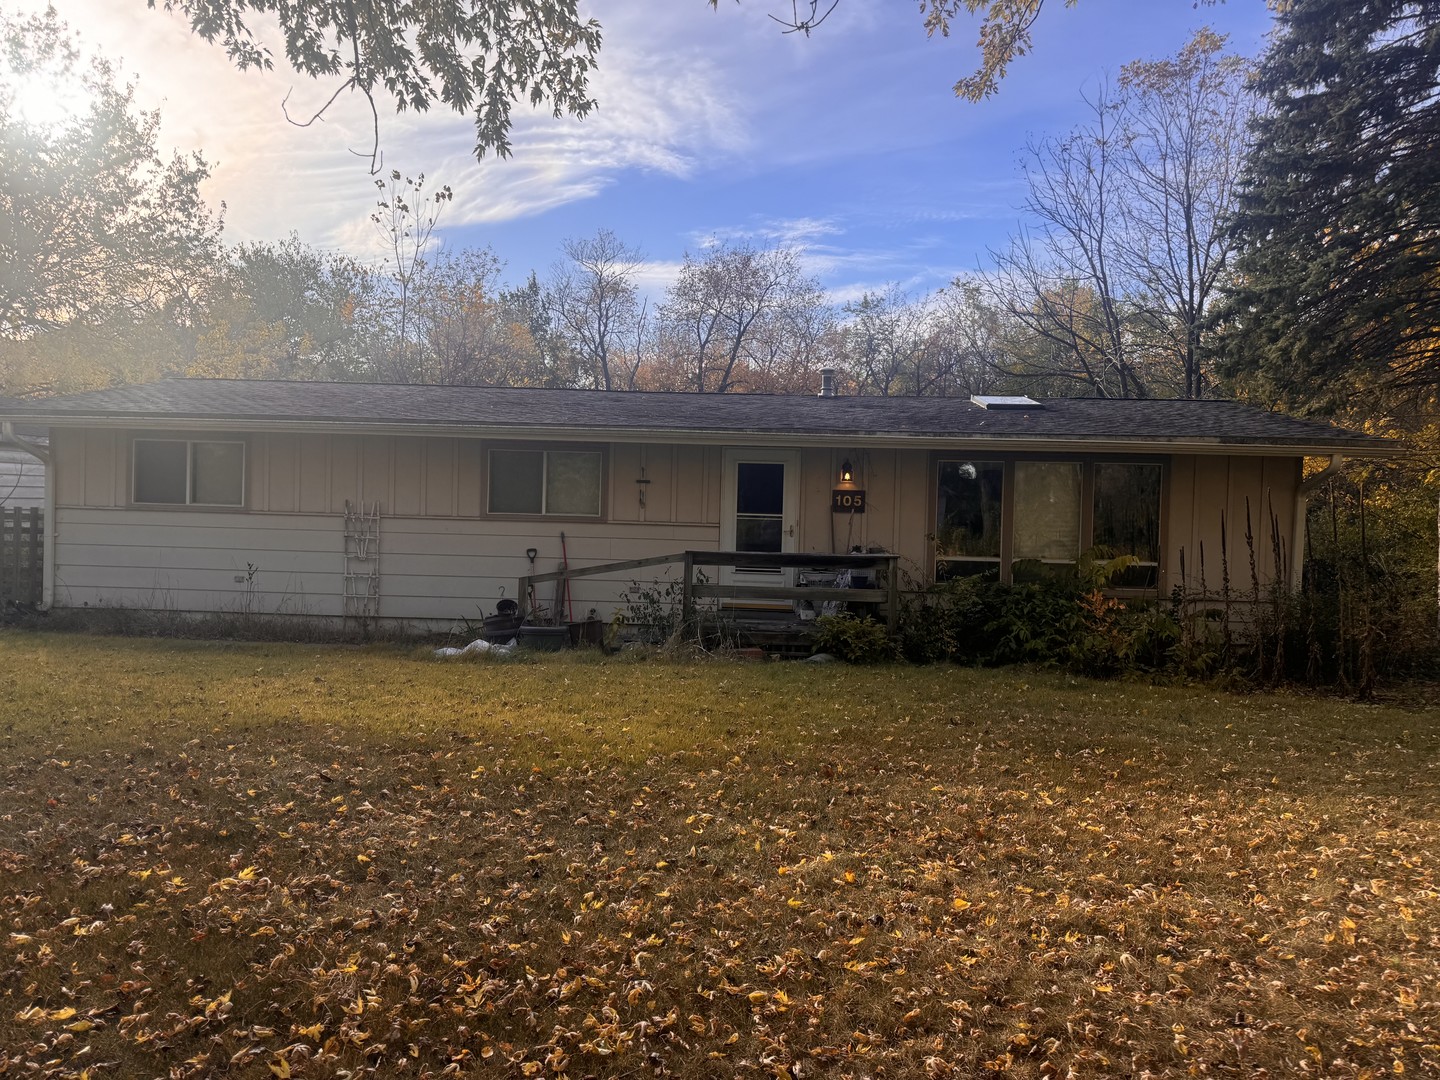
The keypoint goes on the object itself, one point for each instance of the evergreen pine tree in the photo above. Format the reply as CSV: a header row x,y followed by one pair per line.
x,y
1337,288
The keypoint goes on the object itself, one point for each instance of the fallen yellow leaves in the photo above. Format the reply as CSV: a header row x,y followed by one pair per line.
x,y
976,880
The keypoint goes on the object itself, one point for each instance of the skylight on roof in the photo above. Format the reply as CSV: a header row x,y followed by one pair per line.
x,y
991,401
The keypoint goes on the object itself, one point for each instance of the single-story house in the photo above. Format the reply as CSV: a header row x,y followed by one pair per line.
x,y
429,503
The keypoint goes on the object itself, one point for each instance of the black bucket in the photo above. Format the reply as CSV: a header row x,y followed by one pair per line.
x,y
543,638
590,632
502,625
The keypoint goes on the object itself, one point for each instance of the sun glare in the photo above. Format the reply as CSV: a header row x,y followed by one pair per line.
x,y
46,101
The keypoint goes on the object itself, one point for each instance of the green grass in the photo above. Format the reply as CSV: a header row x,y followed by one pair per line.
x,y
251,860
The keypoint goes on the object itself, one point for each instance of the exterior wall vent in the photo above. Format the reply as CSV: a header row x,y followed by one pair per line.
x,y
987,401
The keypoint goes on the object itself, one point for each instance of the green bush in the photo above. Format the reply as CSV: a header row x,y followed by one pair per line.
x,y
1048,618
1115,636
945,622
855,640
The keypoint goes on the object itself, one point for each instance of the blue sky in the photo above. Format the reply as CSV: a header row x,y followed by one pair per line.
x,y
848,144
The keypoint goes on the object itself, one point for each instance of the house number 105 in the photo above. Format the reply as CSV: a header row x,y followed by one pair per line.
x,y
847,501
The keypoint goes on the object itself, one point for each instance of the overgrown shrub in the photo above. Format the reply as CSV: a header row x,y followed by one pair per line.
x,y
1115,636
1034,622
853,639
946,621
651,612
1047,618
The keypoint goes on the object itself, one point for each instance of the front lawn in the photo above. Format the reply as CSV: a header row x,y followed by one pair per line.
x,y
267,860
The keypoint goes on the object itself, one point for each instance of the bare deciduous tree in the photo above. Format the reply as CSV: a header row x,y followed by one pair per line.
x,y
722,308
598,307
1127,247
1064,280
967,341
884,339
1186,129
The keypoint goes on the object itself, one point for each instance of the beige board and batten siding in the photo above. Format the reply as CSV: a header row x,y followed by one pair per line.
x,y
1207,498
1197,491
897,499
441,558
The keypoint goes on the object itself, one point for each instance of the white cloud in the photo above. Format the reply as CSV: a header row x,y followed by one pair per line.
x,y
780,232
654,277
662,111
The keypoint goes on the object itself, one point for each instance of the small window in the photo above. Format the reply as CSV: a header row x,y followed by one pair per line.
x,y
180,472
967,518
1127,519
557,482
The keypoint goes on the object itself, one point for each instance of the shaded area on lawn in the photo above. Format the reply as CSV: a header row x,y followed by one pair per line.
x,y
271,860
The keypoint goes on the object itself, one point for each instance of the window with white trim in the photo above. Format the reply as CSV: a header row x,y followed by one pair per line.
x,y
188,472
559,483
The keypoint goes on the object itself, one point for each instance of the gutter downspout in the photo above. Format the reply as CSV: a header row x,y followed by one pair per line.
x,y
47,558
1302,505
35,450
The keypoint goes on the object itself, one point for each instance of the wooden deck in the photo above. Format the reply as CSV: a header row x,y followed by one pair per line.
x,y
884,598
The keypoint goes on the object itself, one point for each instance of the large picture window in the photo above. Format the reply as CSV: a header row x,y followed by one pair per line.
x,y
967,518
564,483
189,472
1023,519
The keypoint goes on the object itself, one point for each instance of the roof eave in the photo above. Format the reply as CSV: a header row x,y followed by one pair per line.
x,y
1060,444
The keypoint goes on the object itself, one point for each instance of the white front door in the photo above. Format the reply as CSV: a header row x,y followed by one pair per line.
x,y
760,510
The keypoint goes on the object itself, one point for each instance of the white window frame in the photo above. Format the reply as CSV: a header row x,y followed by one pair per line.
x,y
190,445
544,453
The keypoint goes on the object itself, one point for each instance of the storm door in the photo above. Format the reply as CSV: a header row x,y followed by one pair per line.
x,y
760,510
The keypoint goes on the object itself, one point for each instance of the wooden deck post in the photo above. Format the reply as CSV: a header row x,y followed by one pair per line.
x,y
37,560
20,580
7,591
524,598
892,603
687,594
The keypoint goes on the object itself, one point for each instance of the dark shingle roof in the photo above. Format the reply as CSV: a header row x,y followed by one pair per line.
x,y
212,403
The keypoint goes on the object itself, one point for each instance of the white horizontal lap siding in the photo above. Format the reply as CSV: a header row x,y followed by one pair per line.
x,y
22,480
454,572
430,569
188,561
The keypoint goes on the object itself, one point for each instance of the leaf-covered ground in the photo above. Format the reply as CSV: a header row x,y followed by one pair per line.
x,y
260,861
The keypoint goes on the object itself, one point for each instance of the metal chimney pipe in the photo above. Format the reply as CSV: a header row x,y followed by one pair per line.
x,y
827,382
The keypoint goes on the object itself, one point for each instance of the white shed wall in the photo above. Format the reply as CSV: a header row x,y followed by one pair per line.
x,y
22,479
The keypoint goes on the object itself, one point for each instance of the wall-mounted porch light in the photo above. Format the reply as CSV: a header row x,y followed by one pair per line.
x,y
847,498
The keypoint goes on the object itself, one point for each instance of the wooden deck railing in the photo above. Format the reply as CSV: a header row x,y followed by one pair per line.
x,y
882,562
